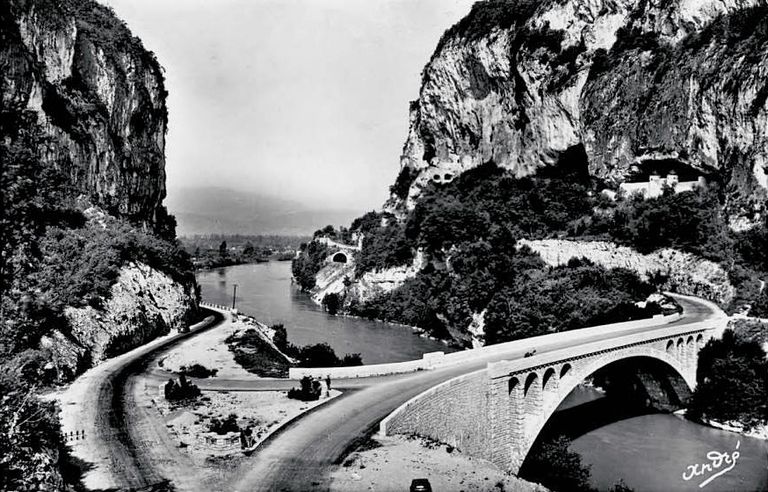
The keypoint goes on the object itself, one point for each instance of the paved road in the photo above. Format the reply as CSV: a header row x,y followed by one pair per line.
x,y
115,414
301,456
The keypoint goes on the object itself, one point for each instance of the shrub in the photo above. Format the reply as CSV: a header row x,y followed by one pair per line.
x,y
323,355
331,302
225,425
309,390
197,371
183,390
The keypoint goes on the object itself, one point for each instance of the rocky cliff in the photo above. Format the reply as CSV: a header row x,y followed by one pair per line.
x,y
88,265
634,82
681,272
99,97
80,88
142,305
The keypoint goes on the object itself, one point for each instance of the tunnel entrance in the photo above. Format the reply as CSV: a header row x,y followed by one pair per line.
x,y
340,257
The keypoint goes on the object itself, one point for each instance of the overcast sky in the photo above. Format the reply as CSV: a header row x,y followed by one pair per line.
x,y
304,99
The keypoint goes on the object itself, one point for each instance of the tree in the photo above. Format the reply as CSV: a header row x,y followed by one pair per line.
x,y
248,249
732,381
225,425
280,338
223,253
553,465
331,302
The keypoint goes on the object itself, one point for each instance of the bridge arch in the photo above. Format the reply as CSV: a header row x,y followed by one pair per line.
x,y
537,418
547,381
530,381
513,385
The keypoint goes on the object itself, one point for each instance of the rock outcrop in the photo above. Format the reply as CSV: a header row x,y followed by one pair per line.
x,y
99,98
682,272
143,304
519,82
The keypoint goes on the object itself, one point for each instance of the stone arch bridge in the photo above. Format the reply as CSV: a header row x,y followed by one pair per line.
x,y
498,412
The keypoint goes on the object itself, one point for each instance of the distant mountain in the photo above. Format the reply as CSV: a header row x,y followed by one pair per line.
x,y
212,210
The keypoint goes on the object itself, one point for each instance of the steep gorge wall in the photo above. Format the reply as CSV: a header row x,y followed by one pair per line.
x,y
72,75
519,82
99,98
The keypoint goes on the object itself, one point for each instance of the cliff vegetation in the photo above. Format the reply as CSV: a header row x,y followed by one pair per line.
x,y
89,266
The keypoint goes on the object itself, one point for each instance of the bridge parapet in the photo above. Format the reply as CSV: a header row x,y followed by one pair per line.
x,y
439,359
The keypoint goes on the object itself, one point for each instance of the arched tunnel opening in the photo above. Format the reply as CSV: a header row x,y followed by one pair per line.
x,y
339,257
621,390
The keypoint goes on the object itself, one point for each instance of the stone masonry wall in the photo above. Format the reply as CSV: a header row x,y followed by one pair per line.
x,y
453,413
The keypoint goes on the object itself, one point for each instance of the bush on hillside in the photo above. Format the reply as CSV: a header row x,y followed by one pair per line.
x,y
553,465
198,371
306,266
732,381
383,247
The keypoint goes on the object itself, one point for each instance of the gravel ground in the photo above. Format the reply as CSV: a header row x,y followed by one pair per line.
x,y
390,463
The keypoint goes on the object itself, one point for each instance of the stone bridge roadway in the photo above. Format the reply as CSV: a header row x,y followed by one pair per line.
x,y
509,396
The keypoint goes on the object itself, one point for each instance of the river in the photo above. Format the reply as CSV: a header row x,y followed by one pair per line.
x,y
264,291
649,452
652,452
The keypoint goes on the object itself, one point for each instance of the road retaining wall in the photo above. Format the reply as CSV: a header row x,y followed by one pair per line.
x,y
451,412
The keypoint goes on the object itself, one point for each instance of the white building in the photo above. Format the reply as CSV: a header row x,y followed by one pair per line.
x,y
654,187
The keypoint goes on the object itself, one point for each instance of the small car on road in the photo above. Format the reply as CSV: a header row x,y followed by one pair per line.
x,y
420,485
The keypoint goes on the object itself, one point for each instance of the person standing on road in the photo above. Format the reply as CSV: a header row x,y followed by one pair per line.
x,y
328,381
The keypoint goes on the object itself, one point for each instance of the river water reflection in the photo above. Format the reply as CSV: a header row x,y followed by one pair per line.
x,y
265,291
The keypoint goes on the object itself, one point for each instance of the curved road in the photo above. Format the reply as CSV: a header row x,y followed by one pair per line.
x,y
304,452
301,455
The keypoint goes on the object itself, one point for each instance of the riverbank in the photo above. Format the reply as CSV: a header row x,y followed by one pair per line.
x,y
212,351
758,432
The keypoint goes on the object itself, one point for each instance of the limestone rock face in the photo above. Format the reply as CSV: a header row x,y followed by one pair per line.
x,y
686,273
74,72
519,82
143,305
98,95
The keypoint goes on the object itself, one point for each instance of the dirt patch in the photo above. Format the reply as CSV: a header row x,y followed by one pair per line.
x,y
211,351
261,411
390,463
